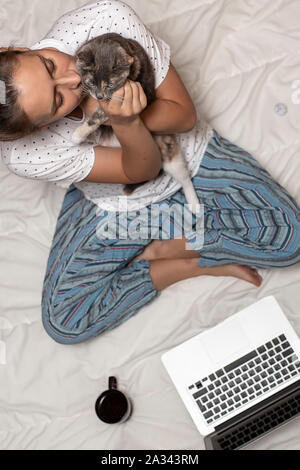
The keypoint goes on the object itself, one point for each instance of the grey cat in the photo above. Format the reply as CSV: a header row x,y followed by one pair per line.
x,y
104,64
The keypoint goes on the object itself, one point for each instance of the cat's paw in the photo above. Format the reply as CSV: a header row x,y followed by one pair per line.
x,y
78,137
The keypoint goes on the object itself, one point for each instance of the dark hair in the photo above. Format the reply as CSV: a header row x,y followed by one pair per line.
x,y
14,122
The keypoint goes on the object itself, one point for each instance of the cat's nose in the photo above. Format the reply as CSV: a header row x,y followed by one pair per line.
x,y
99,96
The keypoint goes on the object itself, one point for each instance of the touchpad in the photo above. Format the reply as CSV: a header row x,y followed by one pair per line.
x,y
224,341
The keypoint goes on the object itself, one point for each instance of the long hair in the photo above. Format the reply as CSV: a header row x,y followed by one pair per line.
x,y
14,122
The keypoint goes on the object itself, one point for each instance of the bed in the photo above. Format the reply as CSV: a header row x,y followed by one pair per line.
x,y
240,62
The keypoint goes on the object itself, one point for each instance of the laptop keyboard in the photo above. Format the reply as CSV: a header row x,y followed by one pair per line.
x,y
245,379
265,421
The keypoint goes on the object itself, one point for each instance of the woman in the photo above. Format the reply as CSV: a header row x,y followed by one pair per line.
x,y
92,284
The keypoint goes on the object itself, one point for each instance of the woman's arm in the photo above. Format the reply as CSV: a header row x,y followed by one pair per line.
x,y
139,157
173,111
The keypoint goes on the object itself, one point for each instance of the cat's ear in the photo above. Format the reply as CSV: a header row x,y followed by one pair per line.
x,y
124,58
86,57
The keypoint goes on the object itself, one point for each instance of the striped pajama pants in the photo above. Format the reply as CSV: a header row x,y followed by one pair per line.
x,y
89,288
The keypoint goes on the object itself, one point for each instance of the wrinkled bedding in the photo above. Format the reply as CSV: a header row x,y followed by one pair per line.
x,y
238,59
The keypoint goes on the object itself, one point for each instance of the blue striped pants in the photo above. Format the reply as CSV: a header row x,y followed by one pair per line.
x,y
89,288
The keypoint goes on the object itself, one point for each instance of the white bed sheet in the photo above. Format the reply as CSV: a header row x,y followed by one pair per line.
x,y
238,60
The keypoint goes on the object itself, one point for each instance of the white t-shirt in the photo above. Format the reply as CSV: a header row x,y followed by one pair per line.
x,y
50,154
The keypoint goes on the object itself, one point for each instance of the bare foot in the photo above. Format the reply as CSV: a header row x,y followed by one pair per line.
x,y
235,270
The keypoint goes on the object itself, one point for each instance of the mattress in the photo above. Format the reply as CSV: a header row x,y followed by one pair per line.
x,y
240,62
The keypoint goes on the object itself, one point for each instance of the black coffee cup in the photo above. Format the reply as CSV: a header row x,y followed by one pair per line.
x,y
113,406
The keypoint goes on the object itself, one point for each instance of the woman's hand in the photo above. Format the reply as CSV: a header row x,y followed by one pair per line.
x,y
133,102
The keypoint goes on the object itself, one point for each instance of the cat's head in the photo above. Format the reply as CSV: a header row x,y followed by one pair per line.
x,y
104,66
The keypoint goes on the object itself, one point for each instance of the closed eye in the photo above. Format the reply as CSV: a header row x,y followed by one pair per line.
x,y
53,69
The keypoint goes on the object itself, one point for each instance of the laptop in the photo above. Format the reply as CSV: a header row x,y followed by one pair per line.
x,y
240,379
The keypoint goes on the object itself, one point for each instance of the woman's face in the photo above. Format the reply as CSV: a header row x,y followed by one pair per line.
x,y
49,85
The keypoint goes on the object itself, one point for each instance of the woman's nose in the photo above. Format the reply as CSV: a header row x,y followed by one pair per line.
x,y
70,79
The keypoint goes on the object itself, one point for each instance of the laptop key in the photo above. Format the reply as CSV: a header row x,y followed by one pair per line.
x,y
201,392
202,408
240,361
208,414
288,352
219,373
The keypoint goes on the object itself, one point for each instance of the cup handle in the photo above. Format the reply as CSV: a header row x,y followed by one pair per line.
x,y
112,382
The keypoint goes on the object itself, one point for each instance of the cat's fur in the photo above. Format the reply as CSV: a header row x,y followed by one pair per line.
x,y
104,64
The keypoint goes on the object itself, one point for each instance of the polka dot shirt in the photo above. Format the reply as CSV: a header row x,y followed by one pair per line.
x,y
50,154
